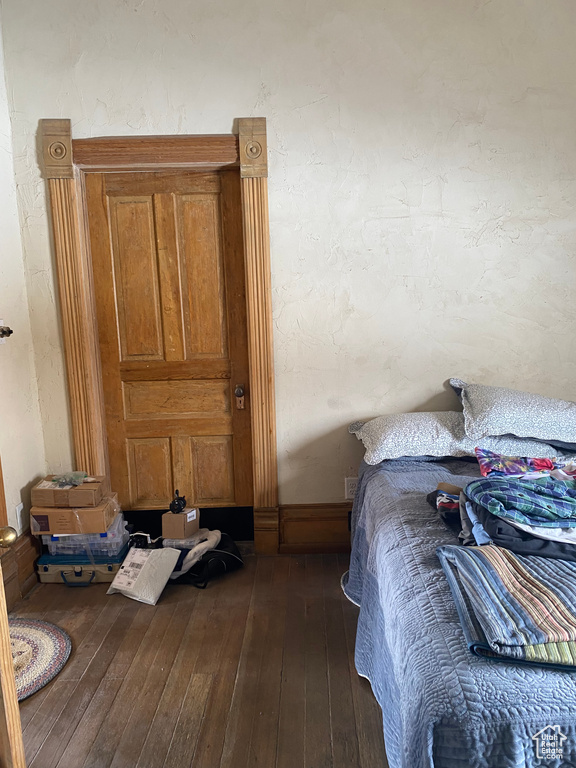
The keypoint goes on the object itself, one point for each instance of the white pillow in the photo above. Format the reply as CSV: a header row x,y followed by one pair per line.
x,y
435,434
499,411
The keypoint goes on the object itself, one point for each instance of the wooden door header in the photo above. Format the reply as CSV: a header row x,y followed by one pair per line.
x,y
61,154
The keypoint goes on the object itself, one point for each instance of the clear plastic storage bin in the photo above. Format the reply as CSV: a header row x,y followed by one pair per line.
x,y
109,543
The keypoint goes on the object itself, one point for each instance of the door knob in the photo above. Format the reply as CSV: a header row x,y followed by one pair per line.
x,y
239,395
7,536
5,331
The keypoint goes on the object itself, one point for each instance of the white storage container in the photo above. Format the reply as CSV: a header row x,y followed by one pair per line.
x,y
109,543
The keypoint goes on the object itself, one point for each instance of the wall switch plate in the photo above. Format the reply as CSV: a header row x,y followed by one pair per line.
x,y
350,486
19,510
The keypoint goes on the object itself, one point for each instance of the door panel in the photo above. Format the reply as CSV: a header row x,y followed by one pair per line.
x,y
136,279
179,427
202,278
169,271
205,465
196,369
150,469
213,468
168,263
158,399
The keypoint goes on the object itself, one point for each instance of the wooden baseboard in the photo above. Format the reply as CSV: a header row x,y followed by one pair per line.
x,y
314,528
266,531
18,567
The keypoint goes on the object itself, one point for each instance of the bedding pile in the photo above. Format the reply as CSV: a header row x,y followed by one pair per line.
x,y
539,502
532,514
443,706
508,595
517,600
514,581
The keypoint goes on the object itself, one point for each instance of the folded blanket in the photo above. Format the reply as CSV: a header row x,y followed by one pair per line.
x,y
541,501
512,607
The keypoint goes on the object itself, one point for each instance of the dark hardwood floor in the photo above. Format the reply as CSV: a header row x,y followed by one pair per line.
x,y
257,670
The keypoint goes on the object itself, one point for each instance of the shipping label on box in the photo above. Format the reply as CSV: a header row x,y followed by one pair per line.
x,y
131,568
180,525
47,493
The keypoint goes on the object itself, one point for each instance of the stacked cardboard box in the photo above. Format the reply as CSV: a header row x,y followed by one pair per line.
x,y
49,493
180,525
73,509
78,512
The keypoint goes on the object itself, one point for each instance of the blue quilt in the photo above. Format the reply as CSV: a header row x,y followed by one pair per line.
x,y
442,706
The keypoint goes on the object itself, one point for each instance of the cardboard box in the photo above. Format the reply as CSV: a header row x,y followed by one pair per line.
x,y
180,525
47,493
61,520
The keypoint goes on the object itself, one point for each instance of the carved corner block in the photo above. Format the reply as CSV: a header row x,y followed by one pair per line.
x,y
56,148
252,147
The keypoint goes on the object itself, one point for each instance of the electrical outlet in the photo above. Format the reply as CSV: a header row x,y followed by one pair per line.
x,y
350,486
19,510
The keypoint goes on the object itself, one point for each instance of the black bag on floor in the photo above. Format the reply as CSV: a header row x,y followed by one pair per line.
x,y
225,558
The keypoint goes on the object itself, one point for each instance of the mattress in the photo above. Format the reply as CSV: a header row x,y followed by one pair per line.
x,y
441,705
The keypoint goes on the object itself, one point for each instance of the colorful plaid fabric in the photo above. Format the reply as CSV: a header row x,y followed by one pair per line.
x,y
526,606
496,464
542,501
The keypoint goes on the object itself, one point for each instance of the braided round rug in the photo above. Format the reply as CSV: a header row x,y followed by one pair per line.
x,y
39,651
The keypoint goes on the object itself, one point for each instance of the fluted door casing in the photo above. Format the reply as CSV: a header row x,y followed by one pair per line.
x,y
258,288
76,307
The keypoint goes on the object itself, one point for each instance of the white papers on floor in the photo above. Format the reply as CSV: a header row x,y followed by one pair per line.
x,y
144,574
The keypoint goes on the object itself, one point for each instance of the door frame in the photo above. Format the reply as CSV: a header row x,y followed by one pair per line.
x,y
3,508
65,162
11,742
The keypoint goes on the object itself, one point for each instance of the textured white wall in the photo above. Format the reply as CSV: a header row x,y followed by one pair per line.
x,y
21,443
422,187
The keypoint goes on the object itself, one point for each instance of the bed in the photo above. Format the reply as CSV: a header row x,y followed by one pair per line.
x,y
441,705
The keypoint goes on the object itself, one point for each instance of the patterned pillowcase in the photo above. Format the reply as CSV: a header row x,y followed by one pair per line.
x,y
495,464
499,411
434,434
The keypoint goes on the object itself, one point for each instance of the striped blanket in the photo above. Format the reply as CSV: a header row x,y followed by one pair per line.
x,y
512,607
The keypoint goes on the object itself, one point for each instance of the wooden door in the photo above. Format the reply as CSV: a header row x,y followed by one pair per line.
x,y
168,264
